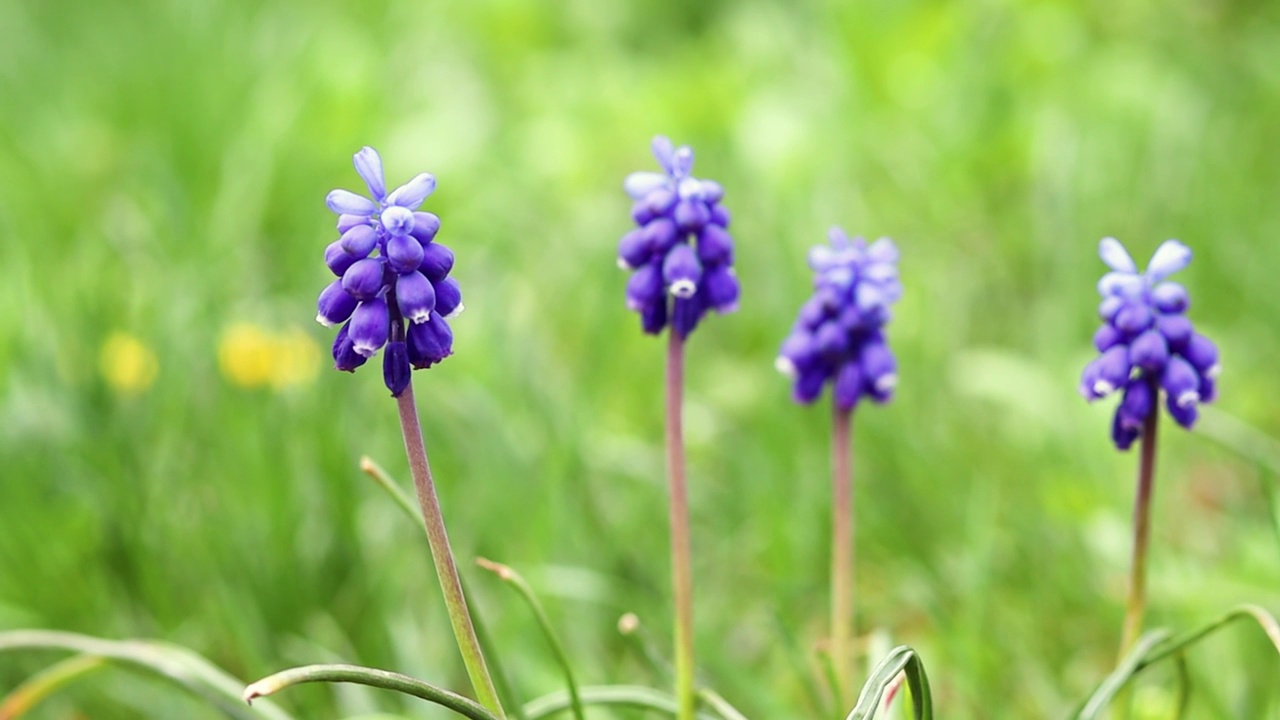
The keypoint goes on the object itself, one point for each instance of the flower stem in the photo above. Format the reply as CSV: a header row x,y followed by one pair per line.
x,y
451,585
681,572
1137,601
842,552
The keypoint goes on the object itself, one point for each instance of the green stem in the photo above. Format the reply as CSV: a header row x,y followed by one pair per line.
x,y
447,571
514,579
681,570
1136,605
366,676
722,707
842,553
500,679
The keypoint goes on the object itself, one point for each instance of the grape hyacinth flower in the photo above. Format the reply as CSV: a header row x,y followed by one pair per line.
x,y
839,337
680,254
839,334
1148,349
1147,344
681,258
392,273
390,270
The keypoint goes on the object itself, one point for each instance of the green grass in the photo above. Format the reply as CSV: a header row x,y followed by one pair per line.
x,y
162,171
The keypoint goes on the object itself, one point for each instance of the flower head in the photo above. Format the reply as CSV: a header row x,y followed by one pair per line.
x,y
680,254
390,271
839,334
1147,344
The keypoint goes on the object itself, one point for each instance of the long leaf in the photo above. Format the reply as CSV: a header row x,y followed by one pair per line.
x,y
713,700
367,676
45,683
514,579
184,667
634,696
901,659
1123,673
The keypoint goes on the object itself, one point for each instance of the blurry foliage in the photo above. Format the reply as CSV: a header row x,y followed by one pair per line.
x,y
162,170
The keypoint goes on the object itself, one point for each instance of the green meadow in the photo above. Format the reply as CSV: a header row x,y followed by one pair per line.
x,y
179,462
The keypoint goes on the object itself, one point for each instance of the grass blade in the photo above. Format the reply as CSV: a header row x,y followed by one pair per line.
x,y
1123,673
367,676
513,578
184,667
45,683
901,659
720,705
633,696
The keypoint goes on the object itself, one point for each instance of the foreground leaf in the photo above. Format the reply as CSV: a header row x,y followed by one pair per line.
x,y
180,665
901,659
367,676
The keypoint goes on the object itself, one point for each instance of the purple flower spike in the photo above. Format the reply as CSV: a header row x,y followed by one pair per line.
x,y
390,272
839,332
1148,346
679,254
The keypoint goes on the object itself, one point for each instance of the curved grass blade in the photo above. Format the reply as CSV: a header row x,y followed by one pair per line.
x,y
184,667
901,659
513,578
633,696
722,707
1123,673
367,676
501,681
1184,688
45,683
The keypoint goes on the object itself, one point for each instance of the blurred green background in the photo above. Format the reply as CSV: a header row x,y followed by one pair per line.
x,y
179,462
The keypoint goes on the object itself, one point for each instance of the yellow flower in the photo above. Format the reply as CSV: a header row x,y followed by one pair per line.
x,y
250,356
127,365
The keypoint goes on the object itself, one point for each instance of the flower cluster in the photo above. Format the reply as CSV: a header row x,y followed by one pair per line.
x,y
839,334
1147,344
390,269
681,247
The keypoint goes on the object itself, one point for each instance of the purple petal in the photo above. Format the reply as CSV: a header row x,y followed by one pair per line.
x,y
346,222
640,184
359,241
1107,337
1120,284
448,298
335,305
686,313
345,357
1149,351
1176,329
398,220
644,287
1123,436
1170,297
882,252
370,326
1203,355
415,295
848,386
661,235
681,271
808,386
404,253
1116,257
1133,318
653,317
663,151
364,278
345,202
633,250
682,161
369,166
411,194
395,367
691,215
715,246
1112,371
337,259
722,289
425,226
430,342
1181,383
1138,402
1185,415
437,261
1168,259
